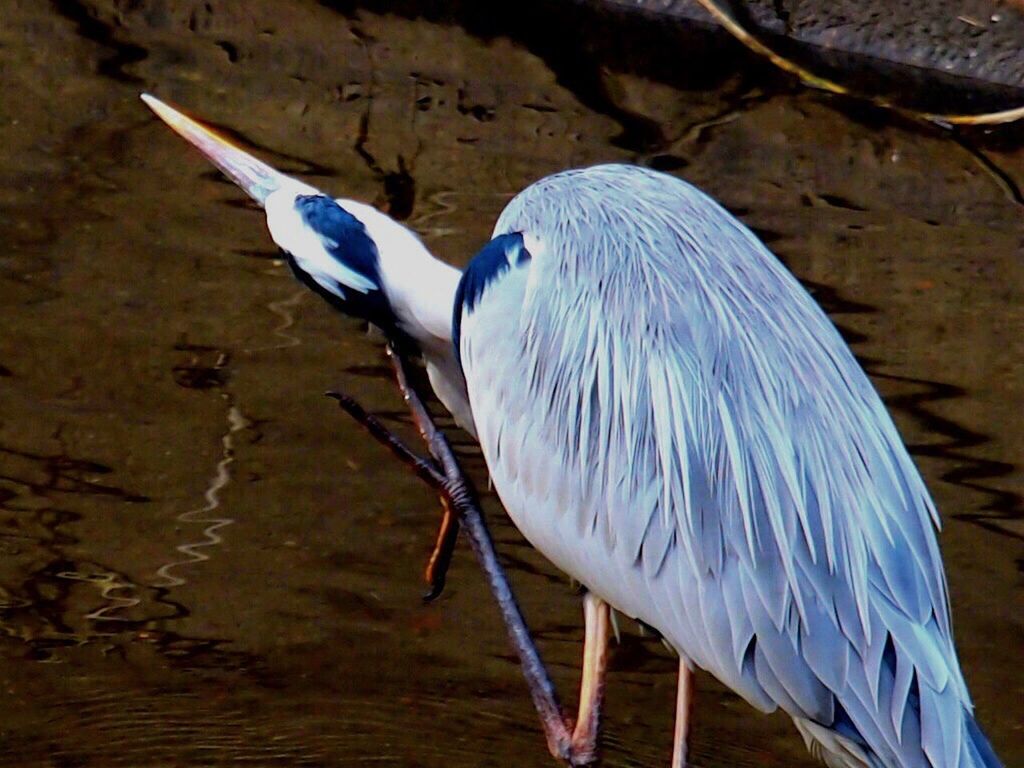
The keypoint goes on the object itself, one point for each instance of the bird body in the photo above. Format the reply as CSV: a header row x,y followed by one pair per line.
x,y
669,417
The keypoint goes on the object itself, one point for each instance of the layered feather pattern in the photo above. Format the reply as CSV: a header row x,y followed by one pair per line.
x,y
669,417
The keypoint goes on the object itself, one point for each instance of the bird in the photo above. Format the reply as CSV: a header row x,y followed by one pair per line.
x,y
670,418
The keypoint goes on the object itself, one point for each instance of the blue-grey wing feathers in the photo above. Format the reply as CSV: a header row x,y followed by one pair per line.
x,y
717,446
496,258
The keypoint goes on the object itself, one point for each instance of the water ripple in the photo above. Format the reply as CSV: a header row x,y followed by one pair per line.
x,y
283,309
108,583
193,551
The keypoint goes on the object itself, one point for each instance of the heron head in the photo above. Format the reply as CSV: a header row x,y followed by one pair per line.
x,y
339,248
332,251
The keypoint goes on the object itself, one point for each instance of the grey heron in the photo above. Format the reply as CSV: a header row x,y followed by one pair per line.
x,y
669,417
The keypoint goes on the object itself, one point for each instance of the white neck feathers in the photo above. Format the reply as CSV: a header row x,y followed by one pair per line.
x,y
419,287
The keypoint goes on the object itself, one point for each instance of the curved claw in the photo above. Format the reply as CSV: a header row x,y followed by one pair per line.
x,y
444,548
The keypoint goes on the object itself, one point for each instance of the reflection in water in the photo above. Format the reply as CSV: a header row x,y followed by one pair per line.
x,y
89,26
61,474
303,641
193,551
953,439
108,584
442,209
970,472
283,309
37,532
1002,177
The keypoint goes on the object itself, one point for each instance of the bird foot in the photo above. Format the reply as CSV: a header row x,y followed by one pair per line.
x,y
583,755
442,472
572,751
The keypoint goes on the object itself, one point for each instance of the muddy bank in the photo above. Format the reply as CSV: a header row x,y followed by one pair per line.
x,y
955,54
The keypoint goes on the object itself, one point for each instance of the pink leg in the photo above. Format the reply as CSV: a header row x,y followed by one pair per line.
x,y
577,747
597,620
684,702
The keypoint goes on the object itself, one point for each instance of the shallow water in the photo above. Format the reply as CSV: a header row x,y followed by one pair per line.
x,y
204,563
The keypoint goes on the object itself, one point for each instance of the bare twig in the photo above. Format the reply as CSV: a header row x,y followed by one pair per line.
x,y
725,17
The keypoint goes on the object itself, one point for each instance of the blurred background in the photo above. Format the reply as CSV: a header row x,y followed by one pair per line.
x,y
202,562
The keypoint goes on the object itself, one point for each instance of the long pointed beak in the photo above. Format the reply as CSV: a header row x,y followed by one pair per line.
x,y
255,177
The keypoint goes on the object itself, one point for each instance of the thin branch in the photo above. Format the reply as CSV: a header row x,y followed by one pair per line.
x,y
729,21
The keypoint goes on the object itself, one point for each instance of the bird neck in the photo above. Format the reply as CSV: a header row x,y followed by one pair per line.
x,y
422,294
420,290
419,287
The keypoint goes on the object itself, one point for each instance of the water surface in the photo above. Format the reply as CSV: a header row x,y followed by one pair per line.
x,y
204,563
